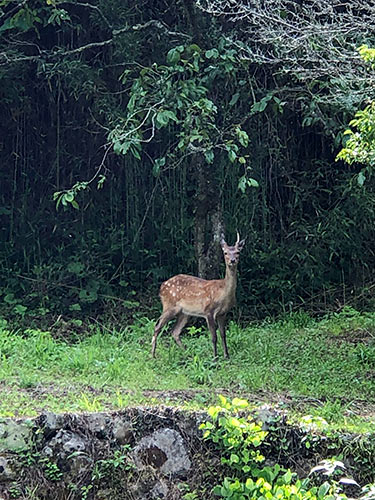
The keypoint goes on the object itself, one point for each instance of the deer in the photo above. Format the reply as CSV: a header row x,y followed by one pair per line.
x,y
183,296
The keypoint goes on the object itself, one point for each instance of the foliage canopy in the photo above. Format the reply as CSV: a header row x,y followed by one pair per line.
x,y
153,121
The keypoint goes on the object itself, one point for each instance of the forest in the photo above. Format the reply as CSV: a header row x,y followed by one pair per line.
x,y
133,134
139,139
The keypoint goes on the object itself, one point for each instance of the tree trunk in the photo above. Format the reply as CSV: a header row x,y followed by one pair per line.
x,y
208,221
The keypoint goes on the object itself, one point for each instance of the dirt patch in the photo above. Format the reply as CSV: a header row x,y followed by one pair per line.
x,y
42,397
358,336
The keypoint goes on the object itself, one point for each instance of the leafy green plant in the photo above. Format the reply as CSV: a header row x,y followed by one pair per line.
x,y
108,467
32,458
85,491
238,437
359,145
51,469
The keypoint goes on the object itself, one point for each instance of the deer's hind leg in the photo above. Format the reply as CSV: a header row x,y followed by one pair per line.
x,y
164,318
182,319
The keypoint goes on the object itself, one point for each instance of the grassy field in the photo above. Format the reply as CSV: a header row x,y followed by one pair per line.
x,y
324,368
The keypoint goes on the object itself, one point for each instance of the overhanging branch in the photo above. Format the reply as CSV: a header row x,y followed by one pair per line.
x,y
7,58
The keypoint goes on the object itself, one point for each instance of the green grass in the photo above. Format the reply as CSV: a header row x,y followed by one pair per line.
x,y
325,368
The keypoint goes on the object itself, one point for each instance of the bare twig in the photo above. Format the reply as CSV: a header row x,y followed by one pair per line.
x,y
90,6
307,40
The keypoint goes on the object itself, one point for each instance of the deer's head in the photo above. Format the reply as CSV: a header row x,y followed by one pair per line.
x,y
232,254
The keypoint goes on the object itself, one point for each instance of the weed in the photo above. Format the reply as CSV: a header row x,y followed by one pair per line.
x,y
201,371
89,404
14,491
108,467
30,458
85,491
51,470
122,400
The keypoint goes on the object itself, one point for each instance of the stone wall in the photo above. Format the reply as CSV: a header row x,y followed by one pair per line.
x,y
146,453
140,453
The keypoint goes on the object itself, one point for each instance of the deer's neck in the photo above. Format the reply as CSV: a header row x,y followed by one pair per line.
x,y
230,280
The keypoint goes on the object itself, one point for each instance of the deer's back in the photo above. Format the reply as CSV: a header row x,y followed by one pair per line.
x,y
194,296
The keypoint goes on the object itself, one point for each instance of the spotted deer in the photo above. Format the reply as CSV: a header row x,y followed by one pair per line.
x,y
183,296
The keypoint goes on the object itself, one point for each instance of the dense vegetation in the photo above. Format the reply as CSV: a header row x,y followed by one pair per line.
x,y
156,124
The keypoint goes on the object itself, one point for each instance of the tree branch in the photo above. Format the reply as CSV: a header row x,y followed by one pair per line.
x,y
7,58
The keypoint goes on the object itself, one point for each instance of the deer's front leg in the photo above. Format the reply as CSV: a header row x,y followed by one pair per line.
x,y
176,332
212,327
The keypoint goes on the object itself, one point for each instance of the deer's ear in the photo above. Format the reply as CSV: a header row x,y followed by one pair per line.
x,y
223,242
241,244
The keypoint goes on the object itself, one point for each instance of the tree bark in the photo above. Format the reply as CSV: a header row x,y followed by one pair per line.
x,y
208,221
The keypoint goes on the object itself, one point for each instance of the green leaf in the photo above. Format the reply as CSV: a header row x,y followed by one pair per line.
x,y
87,295
9,298
234,459
249,485
75,307
287,477
20,309
159,162
361,179
253,182
76,268
7,25
223,400
209,155
194,48
323,490
135,152
234,99
163,117
217,490
232,155
69,196
240,403
242,183
171,115
212,53
242,137
174,55
261,105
